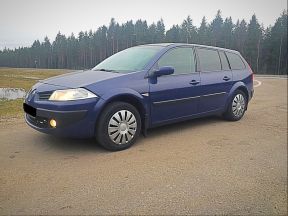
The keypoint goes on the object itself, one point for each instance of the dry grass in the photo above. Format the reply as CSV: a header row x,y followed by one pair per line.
x,y
21,78
25,77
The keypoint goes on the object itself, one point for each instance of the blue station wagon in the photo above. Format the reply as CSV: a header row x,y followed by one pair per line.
x,y
140,88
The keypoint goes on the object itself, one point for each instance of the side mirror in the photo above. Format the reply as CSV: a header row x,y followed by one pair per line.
x,y
167,70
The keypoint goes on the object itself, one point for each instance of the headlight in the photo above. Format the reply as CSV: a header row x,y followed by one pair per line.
x,y
71,94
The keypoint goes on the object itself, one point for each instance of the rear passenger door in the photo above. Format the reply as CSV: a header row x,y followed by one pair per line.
x,y
216,79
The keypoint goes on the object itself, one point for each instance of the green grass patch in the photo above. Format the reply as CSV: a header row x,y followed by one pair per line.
x,y
11,108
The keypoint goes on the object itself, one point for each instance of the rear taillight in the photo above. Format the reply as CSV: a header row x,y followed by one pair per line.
x,y
251,72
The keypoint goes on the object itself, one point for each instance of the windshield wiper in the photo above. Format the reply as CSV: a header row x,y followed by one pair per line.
x,y
106,70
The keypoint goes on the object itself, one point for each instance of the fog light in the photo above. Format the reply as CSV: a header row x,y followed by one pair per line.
x,y
53,123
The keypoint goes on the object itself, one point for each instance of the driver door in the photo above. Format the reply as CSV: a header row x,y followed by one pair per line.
x,y
175,96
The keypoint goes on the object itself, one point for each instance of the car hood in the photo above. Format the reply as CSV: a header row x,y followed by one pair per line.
x,y
80,78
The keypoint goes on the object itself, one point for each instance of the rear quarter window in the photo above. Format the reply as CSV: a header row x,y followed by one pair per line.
x,y
235,61
209,59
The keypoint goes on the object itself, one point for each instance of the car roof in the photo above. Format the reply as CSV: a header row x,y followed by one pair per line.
x,y
171,45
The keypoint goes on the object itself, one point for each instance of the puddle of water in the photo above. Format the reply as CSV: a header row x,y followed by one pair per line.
x,y
11,93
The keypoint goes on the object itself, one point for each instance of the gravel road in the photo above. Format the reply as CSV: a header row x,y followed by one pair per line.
x,y
203,166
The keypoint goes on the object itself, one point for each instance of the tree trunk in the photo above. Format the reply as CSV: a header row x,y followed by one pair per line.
x,y
280,52
258,52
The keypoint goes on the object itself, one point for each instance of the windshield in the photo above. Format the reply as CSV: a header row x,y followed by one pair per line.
x,y
128,60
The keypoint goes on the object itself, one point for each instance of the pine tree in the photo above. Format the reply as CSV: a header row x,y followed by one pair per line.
x,y
152,33
239,36
160,31
203,32
173,34
46,53
216,29
252,46
227,32
265,50
188,31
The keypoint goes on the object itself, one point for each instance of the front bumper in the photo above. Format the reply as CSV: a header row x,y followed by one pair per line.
x,y
75,120
75,124
41,117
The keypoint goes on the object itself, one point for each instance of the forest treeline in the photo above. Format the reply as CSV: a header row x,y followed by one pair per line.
x,y
265,49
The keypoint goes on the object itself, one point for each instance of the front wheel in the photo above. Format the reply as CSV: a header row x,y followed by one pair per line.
x,y
119,126
237,107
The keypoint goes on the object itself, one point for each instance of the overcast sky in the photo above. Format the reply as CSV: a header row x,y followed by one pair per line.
x,y
23,21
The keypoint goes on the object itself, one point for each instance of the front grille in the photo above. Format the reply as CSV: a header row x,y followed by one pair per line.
x,y
44,95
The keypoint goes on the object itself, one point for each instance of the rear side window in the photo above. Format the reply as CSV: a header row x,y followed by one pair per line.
x,y
209,60
236,62
181,59
224,61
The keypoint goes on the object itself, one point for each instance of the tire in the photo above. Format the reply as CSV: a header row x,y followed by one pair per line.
x,y
118,127
237,106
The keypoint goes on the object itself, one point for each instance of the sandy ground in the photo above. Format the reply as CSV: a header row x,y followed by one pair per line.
x,y
207,166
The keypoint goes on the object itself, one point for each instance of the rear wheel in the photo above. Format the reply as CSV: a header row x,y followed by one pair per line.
x,y
119,126
237,107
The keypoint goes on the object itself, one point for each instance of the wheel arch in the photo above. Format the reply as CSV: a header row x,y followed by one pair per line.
x,y
237,86
133,98
244,90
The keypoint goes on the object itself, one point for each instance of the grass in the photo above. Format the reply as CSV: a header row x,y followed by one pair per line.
x,y
11,108
23,78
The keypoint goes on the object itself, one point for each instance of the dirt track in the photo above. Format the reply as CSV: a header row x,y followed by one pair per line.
x,y
207,166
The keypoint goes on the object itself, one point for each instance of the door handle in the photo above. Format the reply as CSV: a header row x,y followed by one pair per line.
x,y
194,82
226,78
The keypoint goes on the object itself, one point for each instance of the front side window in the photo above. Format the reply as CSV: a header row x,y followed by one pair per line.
x,y
236,62
129,60
209,59
181,59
